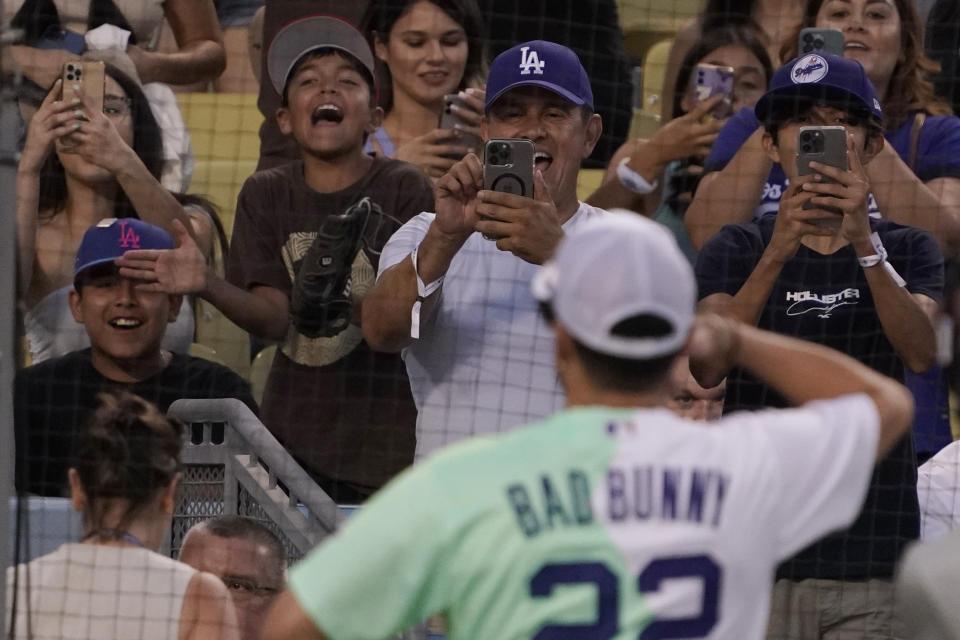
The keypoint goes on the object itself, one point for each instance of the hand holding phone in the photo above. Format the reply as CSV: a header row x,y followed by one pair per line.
x,y
826,145
708,80
452,120
89,76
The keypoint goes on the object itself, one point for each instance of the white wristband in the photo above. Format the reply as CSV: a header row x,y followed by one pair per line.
x,y
423,292
633,181
880,257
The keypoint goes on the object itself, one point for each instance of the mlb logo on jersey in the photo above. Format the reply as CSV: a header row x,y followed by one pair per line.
x,y
530,60
808,69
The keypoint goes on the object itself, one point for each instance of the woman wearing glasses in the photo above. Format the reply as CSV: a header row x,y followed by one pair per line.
x,y
79,166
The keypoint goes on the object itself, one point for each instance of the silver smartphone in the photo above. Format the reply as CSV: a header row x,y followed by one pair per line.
x,y
826,145
813,40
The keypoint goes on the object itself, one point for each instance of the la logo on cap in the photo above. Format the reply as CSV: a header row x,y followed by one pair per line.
x,y
530,61
808,69
128,237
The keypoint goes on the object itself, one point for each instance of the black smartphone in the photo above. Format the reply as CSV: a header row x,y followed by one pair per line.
x,y
813,40
826,145
449,119
508,168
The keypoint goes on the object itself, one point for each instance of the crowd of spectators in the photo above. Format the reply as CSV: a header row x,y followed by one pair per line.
x,y
396,285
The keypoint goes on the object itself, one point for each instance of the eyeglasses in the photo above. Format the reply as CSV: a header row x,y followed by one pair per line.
x,y
116,107
247,589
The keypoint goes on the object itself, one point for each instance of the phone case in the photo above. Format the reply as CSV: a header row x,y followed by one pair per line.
x,y
823,40
709,80
826,145
448,119
508,166
89,74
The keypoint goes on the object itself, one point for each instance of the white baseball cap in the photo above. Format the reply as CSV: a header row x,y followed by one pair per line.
x,y
615,267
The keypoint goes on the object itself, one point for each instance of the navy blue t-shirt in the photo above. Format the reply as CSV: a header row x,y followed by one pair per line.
x,y
826,299
938,153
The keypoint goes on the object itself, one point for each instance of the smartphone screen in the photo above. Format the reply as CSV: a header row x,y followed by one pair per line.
x,y
709,80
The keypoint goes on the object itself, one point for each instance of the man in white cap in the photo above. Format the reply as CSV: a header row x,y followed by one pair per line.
x,y
613,517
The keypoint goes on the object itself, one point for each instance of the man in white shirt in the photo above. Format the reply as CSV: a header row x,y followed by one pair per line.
x,y
458,304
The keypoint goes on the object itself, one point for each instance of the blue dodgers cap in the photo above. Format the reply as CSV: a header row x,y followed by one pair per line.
x,y
541,64
817,76
111,237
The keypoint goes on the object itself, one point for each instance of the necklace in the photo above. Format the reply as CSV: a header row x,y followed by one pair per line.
x,y
116,534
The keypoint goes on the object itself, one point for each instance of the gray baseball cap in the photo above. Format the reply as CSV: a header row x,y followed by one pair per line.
x,y
303,35
614,267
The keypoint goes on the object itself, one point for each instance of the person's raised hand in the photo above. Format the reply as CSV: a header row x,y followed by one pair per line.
x,y
690,135
97,140
530,228
850,193
713,347
793,221
471,112
54,119
455,194
182,270
435,152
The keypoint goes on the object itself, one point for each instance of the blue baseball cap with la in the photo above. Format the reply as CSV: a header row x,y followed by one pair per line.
x,y
540,64
835,80
112,237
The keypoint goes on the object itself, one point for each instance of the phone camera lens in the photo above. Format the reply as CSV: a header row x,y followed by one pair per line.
x,y
807,37
818,43
806,148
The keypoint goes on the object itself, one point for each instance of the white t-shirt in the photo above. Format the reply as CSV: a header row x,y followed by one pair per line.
x,y
938,490
597,522
485,363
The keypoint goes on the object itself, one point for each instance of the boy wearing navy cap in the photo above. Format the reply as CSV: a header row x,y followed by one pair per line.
x,y
832,274
126,325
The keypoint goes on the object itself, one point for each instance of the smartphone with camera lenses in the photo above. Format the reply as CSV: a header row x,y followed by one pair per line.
x,y
826,145
508,167
708,80
449,120
87,74
812,40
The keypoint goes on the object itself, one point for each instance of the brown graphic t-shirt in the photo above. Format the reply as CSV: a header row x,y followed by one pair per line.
x,y
344,411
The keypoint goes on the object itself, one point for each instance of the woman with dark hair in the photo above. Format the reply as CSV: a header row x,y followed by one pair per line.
x,y
672,158
79,167
429,49
775,19
915,179
113,584
56,31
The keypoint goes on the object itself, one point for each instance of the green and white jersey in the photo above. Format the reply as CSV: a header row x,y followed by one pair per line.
x,y
596,523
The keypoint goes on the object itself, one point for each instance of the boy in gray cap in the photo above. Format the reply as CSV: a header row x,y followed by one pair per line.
x,y
305,249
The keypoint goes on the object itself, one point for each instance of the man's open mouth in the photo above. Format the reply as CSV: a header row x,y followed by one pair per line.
x,y
542,160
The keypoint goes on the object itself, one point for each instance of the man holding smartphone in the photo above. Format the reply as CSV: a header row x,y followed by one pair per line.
x,y
831,274
478,356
